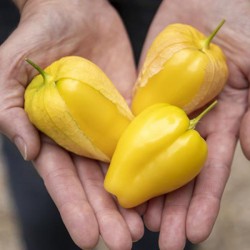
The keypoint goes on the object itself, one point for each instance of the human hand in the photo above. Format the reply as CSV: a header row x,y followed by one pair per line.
x,y
48,30
190,212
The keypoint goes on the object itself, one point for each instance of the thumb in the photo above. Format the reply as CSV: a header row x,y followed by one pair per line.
x,y
15,124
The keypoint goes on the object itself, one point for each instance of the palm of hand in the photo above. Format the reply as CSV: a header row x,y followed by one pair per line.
x,y
92,30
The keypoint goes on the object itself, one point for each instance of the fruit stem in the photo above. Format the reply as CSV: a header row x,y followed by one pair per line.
x,y
195,121
207,41
39,69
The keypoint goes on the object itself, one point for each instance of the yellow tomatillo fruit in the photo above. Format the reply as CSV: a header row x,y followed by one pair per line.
x,y
158,152
182,67
74,103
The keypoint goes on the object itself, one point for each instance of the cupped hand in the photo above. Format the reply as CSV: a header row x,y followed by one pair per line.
x,y
190,212
48,30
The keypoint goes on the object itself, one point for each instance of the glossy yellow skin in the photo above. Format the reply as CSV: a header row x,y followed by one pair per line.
x,y
182,69
157,153
78,107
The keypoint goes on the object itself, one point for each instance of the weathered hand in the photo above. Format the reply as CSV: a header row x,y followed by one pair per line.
x,y
190,212
48,30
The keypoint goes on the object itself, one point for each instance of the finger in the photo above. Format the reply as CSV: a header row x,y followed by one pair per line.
x,y
153,215
131,216
209,187
112,226
134,222
62,182
245,134
15,124
173,226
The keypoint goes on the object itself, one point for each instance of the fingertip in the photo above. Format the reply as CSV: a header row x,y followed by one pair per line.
x,y
172,231
173,225
200,220
245,135
28,147
27,140
134,222
136,229
153,215
166,244
21,146
82,225
17,127
114,230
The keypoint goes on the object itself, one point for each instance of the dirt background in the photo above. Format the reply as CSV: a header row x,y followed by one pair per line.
x,y
231,230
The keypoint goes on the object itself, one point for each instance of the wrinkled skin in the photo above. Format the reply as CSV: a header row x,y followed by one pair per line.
x,y
191,211
49,30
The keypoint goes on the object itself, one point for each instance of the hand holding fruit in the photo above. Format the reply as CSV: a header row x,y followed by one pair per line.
x,y
56,91
182,67
47,32
73,102
47,97
64,102
191,211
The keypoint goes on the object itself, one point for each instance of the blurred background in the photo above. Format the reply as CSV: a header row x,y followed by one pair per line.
x,y
231,230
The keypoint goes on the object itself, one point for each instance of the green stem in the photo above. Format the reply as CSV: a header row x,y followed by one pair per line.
x,y
208,40
39,69
195,121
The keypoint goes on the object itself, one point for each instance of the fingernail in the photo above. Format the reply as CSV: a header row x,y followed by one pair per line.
x,y
22,147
